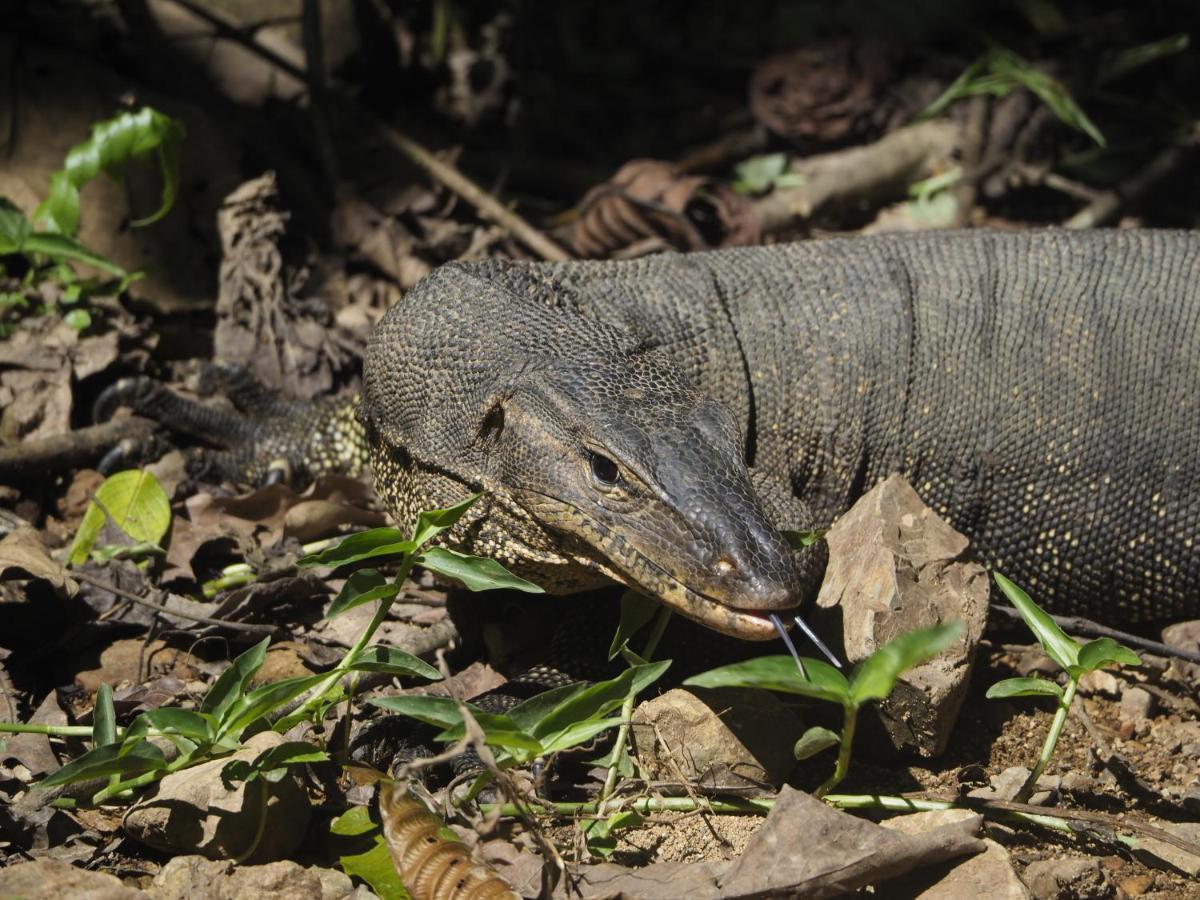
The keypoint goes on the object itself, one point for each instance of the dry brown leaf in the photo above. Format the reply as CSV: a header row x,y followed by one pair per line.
x,y
22,555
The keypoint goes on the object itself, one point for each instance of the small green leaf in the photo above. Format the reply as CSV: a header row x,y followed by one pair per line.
x,y
61,249
363,586
433,522
441,712
476,573
1095,654
111,759
779,673
575,734
249,708
272,763
636,612
598,700
1133,58
231,684
814,741
137,504
356,841
199,727
393,661
104,718
599,834
529,712
14,228
877,675
1024,687
374,542
1053,639
79,319
798,540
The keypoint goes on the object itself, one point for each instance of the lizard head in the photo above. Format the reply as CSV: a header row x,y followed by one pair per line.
x,y
599,459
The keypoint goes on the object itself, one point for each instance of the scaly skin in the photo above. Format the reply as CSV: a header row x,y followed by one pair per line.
x,y
1040,390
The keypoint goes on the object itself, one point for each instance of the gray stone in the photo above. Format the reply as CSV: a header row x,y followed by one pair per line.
x,y
192,811
1184,636
52,879
1162,855
732,737
197,878
1099,682
1067,879
1137,705
896,566
988,874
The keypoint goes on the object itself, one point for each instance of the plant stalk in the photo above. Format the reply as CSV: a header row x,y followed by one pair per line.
x,y
1056,727
849,725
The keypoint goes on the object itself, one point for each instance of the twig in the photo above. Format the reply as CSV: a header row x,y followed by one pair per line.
x,y
1106,206
890,164
487,205
71,450
1087,628
246,627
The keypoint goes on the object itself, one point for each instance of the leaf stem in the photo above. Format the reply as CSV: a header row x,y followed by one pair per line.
x,y
849,725
83,731
1056,727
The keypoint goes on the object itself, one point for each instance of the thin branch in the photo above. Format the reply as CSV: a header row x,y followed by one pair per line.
x,y
74,449
1087,628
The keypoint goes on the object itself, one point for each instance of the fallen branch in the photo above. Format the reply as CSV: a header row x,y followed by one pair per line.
x,y
1082,627
862,173
74,449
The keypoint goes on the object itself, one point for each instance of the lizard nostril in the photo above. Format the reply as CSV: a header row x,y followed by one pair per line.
x,y
725,566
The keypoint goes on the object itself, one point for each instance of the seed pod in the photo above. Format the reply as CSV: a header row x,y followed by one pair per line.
x,y
433,867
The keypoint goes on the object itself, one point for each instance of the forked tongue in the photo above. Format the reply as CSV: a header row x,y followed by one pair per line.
x,y
787,639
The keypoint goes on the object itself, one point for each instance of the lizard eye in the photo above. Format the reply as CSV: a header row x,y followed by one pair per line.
x,y
604,470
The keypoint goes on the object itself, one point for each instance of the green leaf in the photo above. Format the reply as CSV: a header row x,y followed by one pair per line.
x,y
392,661
127,136
814,741
1060,648
599,699
1133,58
528,713
232,682
761,173
61,249
79,319
137,504
636,612
599,834
369,544
1095,654
104,718
111,759
877,675
476,573
14,228
779,673
1024,687
798,540
433,522
272,763
576,733
441,712
363,586
356,841
199,727
251,707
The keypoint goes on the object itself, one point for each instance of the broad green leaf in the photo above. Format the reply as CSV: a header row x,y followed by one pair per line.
x,y
79,319
599,699
251,707
369,544
272,763
529,712
433,522
14,228
1024,687
104,718
441,712
779,673
111,759
599,833
798,540
489,723
876,676
576,733
231,684
814,741
137,504
60,248
169,720
636,612
392,661
363,586
1094,654
1053,639
759,173
129,135
356,840
476,573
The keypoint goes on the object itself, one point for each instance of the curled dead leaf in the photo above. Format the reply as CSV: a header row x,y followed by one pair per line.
x,y
430,864
649,201
22,555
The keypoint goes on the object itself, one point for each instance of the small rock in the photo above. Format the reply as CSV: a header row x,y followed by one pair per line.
x,y
1191,801
1184,636
717,737
197,878
1067,879
192,811
52,879
895,566
1137,704
1003,786
1162,855
1098,681
1136,885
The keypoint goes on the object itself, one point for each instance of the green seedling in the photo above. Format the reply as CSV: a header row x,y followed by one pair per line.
x,y
1074,659
873,679
135,504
